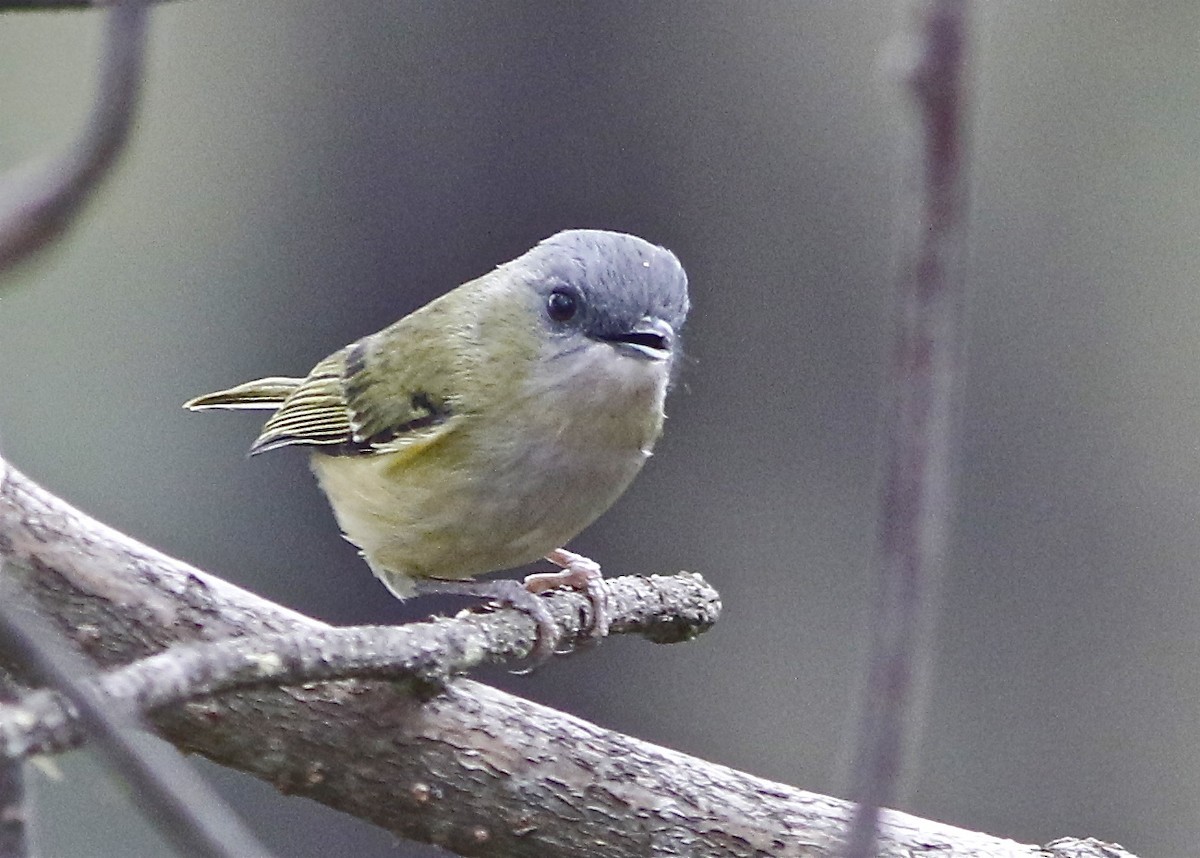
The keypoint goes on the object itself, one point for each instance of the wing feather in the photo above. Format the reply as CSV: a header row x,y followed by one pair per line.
x,y
387,390
314,414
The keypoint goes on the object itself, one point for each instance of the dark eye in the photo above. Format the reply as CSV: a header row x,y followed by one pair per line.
x,y
562,305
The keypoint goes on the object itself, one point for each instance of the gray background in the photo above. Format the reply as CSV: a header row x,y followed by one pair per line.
x,y
303,175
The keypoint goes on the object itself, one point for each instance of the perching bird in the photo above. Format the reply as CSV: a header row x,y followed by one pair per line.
x,y
488,428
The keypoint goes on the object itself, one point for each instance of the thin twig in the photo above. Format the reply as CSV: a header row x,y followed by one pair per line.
x,y
663,608
170,794
920,428
37,204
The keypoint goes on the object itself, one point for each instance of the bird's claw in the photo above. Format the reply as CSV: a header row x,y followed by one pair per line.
x,y
579,573
576,571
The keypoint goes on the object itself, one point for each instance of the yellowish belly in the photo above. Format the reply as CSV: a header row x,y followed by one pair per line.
x,y
484,497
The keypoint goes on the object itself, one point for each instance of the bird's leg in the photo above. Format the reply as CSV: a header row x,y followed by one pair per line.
x,y
579,573
509,592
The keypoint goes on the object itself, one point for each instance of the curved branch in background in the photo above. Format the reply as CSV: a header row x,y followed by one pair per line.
x,y
38,203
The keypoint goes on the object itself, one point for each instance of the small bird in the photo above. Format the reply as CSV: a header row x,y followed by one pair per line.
x,y
488,428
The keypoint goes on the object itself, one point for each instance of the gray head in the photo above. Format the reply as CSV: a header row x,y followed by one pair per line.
x,y
610,286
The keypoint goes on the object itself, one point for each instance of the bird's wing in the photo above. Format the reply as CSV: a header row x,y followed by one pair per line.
x,y
314,414
383,393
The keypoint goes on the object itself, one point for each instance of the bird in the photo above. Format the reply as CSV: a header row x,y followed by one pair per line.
x,y
488,428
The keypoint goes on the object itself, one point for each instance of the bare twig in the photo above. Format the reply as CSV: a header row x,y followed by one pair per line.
x,y
37,204
662,608
924,383
173,797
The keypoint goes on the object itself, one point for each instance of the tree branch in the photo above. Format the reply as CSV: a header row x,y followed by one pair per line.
x,y
178,802
663,608
470,768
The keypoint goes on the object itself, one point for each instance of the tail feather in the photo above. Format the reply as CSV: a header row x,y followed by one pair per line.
x,y
264,394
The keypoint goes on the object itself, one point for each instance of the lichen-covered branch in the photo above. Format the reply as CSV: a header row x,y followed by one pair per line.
x,y
468,767
425,654
176,799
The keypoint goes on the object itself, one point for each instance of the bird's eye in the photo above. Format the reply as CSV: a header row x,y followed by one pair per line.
x,y
562,305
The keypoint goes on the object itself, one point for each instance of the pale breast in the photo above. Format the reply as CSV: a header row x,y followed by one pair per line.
x,y
503,488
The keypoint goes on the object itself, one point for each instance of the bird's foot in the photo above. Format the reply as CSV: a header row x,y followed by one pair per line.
x,y
579,573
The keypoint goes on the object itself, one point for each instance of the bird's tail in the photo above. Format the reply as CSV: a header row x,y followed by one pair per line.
x,y
264,394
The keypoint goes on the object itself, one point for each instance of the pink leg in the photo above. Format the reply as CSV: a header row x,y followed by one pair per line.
x,y
579,573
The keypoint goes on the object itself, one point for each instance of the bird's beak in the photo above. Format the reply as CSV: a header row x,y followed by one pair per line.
x,y
650,339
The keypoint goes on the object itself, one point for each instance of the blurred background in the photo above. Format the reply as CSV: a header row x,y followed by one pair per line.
x,y
302,175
